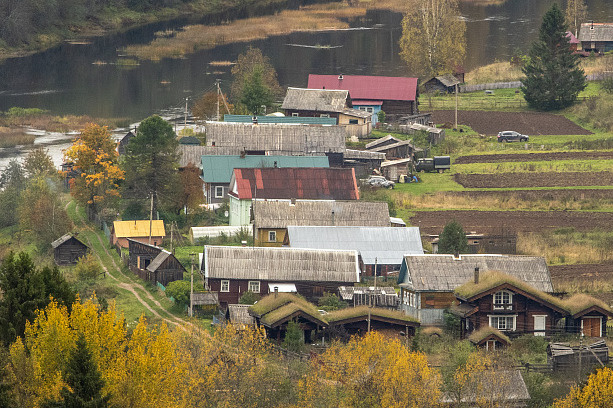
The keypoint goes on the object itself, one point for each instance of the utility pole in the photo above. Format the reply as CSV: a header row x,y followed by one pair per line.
x,y
375,273
185,121
218,96
151,218
456,106
191,290
171,236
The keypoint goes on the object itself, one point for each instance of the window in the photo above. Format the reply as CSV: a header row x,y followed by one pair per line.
x,y
369,110
324,115
218,191
272,236
353,121
225,286
295,114
254,286
503,323
503,300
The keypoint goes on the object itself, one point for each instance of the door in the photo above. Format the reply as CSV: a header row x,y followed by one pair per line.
x,y
539,325
592,326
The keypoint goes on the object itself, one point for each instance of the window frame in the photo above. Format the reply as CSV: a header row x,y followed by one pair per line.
x,y
216,190
272,236
224,282
496,318
251,283
500,304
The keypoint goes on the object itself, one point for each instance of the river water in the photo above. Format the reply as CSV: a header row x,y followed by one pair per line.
x,y
83,79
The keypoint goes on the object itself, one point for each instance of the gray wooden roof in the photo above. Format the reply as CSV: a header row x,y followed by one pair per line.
x,y
363,154
158,260
60,240
281,214
239,314
191,154
596,32
320,100
381,140
387,245
286,139
384,148
448,80
444,273
506,386
281,264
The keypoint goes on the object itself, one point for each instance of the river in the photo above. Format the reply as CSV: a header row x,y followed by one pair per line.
x,y
82,79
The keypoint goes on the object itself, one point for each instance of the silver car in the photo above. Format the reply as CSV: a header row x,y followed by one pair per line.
x,y
380,181
511,136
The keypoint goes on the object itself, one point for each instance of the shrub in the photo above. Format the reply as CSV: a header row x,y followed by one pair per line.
x,y
381,116
294,337
249,298
88,267
607,85
330,302
180,291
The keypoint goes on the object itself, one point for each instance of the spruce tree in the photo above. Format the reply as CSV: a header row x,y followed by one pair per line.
x,y
553,76
84,380
453,239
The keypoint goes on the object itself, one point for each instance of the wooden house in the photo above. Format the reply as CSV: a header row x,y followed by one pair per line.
x,y
67,250
328,104
396,96
137,230
380,247
357,320
395,169
442,83
249,186
509,305
296,120
232,271
427,281
596,37
154,264
587,315
123,142
217,170
489,338
484,243
574,42
272,218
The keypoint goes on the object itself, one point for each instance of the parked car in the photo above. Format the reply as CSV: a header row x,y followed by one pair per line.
x,y
436,163
379,181
510,136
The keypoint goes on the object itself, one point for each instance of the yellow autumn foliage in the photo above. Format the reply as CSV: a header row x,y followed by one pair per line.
x,y
597,393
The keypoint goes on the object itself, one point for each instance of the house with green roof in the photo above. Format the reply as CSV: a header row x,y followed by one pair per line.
x,y
217,170
514,307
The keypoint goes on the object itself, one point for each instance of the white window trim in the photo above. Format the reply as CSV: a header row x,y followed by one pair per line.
x,y
272,234
490,317
216,190
539,332
295,114
502,306
593,317
249,286
227,282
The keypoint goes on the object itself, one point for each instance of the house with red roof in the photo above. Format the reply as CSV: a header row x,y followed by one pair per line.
x,y
248,186
393,95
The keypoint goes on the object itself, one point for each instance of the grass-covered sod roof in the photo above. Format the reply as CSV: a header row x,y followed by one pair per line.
x,y
581,302
484,332
375,312
274,309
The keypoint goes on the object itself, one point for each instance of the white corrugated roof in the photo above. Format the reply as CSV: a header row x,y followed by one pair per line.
x,y
387,244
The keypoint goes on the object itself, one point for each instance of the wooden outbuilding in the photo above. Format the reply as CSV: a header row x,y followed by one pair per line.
x,y
123,142
154,264
67,250
596,37
442,83
357,320
588,316
489,338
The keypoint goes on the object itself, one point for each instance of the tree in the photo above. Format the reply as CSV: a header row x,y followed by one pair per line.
x,y
597,393
206,106
57,288
553,76
433,38
255,93
294,337
576,13
38,163
13,176
12,183
88,267
151,163
180,291
247,63
84,380
453,239
42,213
94,156
191,195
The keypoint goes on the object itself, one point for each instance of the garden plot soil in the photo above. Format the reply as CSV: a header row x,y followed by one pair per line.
x,y
544,179
539,195
529,157
527,123
501,222
565,273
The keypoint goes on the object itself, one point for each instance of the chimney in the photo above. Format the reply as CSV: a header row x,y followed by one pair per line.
x,y
276,291
333,220
476,274
254,119
340,77
275,165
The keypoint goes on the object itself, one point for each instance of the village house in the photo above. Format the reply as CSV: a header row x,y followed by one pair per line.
x,y
505,243
281,119
380,296
233,271
363,161
442,83
427,281
396,96
358,320
137,230
514,307
217,170
153,264
393,148
272,218
68,249
596,37
248,186
328,104
380,247
123,142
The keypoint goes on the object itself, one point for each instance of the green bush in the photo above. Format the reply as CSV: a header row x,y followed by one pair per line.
x,y
249,298
381,116
294,337
607,85
330,302
20,112
88,268
180,291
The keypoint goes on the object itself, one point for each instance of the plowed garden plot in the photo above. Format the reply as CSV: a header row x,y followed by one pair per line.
x,y
499,222
529,157
539,195
544,179
563,273
528,123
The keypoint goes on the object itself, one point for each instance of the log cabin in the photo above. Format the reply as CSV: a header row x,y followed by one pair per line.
x,y
68,249
154,264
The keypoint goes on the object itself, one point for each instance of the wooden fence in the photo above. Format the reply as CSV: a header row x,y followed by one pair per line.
x,y
491,85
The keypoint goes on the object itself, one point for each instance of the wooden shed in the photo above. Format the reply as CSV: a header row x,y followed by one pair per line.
x,y
442,83
154,264
357,320
489,338
68,249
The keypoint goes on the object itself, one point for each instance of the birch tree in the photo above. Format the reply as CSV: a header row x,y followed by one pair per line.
x,y
576,13
433,38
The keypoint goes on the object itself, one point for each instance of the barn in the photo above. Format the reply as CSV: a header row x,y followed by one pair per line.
x,y
68,249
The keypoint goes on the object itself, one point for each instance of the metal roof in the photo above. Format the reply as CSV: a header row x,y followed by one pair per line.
x,y
138,228
444,273
365,102
290,182
368,87
280,119
320,100
387,245
219,169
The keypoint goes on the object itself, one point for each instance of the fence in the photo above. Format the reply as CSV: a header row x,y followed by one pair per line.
x,y
491,85
448,103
